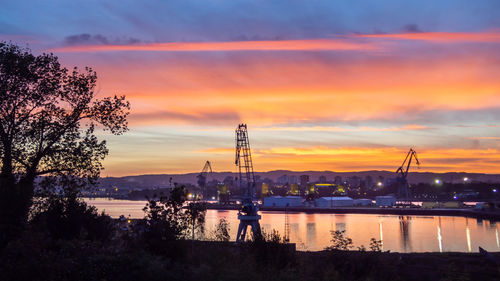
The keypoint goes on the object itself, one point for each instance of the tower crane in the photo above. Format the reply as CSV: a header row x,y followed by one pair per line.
x,y
202,177
248,213
403,190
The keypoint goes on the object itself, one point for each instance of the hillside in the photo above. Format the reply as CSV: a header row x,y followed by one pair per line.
x,y
162,180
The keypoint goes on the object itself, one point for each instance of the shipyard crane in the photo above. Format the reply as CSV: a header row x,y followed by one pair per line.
x,y
202,177
248,213
403,190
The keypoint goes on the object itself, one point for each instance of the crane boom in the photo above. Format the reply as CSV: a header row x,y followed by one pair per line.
x,y
402,171
207,168
409,156
202,177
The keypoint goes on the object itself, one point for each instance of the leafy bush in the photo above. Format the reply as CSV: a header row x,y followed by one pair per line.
x,y
221,232
339,241
71,218
375,245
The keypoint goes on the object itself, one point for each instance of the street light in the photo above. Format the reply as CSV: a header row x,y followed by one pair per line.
x,y
437,181
466,179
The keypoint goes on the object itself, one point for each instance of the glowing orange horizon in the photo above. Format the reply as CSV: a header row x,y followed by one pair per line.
x,y
342,159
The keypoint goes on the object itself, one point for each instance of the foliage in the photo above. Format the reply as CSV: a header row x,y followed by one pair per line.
x,y
196,216
339,241
48,118
271,249
362,248
167,221
164,218
273,237
221,232
68,217
375,245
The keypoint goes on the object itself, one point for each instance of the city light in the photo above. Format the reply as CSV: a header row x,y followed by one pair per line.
x,y
437,181
466,179
379,184
494,190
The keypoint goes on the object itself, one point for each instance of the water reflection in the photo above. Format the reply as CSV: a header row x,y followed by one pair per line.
x,y
467,233
340,226
404,226
381,235
312,231
440,238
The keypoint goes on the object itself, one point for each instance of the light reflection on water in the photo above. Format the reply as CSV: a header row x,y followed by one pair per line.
x,y
311,232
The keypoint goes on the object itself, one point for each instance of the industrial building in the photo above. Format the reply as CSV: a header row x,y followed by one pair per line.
x,y
329,202
283,201
385,201
363,202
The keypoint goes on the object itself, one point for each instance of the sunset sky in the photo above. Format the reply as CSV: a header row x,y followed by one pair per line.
x,y
322,85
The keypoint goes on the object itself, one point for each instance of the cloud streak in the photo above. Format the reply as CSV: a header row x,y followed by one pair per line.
x,y
98,39
411,127
440,37
187,117
229,46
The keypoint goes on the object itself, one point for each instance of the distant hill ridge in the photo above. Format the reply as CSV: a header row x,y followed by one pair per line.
x,y
162,180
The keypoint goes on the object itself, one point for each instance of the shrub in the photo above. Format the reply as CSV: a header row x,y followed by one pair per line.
x,y
221,232
339,241
71,218
375,245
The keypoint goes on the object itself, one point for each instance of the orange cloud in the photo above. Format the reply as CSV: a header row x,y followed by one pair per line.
x,y
217,150
412,127
344,159
278,45
486,138
275,90
441,37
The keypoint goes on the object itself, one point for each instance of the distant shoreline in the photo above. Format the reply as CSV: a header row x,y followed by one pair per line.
x,y
469,213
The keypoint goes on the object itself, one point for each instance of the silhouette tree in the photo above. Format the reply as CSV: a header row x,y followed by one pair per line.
x,y
221,232
196,214
48,118
339,241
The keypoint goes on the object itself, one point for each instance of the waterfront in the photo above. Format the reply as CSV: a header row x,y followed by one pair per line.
x,y
311,232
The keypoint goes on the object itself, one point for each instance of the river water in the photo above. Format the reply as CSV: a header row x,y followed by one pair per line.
x,y
311,232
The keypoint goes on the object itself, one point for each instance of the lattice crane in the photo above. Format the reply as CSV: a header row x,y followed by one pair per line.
x,y
248,214
202,177
244,161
